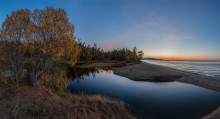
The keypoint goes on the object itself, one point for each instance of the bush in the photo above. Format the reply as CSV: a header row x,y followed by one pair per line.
x,y
57,84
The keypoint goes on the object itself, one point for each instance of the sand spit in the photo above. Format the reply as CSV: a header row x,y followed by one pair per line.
x,y
156,73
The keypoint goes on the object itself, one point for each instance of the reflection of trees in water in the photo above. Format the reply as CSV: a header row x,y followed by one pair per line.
x,y
79,73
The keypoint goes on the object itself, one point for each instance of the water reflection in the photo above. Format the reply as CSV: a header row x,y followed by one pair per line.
x,y
79,73
149,100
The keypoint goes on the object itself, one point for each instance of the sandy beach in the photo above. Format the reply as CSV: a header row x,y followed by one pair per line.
x,y
156,73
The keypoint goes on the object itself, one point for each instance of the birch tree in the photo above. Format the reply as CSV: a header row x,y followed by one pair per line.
x,y
15,32
38,42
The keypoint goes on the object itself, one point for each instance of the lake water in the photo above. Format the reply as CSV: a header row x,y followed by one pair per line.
x,y
208,68
149,100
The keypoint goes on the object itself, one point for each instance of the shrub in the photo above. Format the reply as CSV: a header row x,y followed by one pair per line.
x,y
57,84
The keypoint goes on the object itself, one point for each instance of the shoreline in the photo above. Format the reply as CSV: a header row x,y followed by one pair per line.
x,y
213,115
156,73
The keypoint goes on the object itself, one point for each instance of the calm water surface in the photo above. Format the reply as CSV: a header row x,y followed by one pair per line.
x,y
208,68
149,100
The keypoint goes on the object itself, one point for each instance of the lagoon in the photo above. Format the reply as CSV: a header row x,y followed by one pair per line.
x,y
149,100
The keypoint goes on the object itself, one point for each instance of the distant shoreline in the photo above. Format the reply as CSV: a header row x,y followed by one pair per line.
x,y
181,60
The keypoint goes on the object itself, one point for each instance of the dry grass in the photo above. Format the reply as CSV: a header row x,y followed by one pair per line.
x,y
99,107
103,65
32,102
38,102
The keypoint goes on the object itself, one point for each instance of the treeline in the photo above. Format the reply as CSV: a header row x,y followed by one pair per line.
x,y
40,44
93,53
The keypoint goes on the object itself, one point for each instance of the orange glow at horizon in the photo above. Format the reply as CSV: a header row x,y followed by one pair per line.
x,y
183,58
171,54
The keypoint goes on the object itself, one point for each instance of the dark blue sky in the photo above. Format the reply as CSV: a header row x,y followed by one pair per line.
x,y
170,29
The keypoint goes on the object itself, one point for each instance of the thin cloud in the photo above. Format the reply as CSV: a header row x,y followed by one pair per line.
x,y
152,30
175,37
158,23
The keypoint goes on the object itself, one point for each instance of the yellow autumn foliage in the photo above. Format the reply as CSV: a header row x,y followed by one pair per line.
x,y
38,41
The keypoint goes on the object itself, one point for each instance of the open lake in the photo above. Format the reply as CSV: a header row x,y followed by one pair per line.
x,y
208,68
149,100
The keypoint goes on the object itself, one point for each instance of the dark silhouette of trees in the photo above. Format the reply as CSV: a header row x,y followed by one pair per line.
x,y
94,53
140,55
90,53
123,54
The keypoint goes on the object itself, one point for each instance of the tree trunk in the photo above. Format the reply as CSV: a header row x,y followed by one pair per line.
x,y
16,78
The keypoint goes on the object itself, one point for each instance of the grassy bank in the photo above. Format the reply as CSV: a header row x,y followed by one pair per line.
x,y
106,64
38,102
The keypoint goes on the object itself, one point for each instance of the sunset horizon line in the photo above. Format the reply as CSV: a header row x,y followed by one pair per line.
x,y
183,59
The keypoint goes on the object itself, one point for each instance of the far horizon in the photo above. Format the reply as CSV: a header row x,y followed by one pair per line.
x,y
180,59
185,60
163,29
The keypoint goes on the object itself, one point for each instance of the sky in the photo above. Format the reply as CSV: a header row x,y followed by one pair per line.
x,y
166,29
